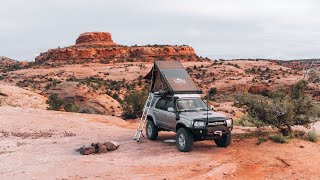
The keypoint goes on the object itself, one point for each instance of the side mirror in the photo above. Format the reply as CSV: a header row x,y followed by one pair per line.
x,y
170,109
211,108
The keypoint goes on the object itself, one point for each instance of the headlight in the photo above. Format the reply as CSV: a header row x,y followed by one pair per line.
x,y
199,124
229,122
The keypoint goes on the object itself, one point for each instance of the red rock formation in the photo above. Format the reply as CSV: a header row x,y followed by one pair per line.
x,y
101,38
98,46
4,61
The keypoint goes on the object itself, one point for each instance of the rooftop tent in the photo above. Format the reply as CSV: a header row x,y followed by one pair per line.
x,y
171,76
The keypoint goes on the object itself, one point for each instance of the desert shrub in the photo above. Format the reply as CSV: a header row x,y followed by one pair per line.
x,y
212,92
246,121
312,136
195,67
261,140
250,71
12,67
54,102
282,110
279,138
198,76
267,69
116,96
71,107
314,76
139,83
237,66
298,134
48,86
133,104
104,61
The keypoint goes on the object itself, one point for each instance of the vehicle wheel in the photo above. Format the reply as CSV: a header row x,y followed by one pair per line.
x,y
184,140
151,130
224,141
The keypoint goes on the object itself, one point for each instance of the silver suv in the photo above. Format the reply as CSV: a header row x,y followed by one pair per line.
x,y
188,116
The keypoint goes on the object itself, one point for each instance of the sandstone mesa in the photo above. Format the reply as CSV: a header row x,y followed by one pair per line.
x,y
99,46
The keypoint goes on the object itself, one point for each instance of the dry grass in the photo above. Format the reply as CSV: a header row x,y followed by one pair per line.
x,y
279,138
312,136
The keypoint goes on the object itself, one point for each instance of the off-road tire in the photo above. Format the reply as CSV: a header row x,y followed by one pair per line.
x,y
184,134
224,141
151,130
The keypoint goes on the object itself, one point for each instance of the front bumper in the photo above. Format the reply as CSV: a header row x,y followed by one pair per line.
x,y
211,132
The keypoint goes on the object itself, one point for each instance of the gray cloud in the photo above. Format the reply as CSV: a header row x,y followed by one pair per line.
x,y
216,29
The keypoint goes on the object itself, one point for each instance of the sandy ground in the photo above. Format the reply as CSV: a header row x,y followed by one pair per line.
x,y
39,144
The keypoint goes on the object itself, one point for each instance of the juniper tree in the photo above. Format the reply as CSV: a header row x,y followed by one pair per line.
x,y
281,108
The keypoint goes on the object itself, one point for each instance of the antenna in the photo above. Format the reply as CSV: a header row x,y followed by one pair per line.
x,y
207,110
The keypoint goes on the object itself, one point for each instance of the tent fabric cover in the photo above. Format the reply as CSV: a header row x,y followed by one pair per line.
x,y
171,76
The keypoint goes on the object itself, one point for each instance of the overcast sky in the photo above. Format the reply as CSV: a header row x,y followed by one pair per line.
x,y
280,29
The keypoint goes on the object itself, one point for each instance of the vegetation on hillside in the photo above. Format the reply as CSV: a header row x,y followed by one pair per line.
x,y
56,103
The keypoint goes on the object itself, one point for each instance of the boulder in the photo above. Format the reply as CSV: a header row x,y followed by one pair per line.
x,y
111,145
98,148
86,150
101,148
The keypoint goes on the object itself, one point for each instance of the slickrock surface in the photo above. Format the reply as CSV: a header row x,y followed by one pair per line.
x,y
37,144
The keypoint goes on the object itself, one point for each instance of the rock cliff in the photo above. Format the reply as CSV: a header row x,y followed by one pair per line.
x,y
99,47
100,38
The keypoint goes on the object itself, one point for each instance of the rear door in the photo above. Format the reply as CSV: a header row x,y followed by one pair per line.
x,y
170,117
159,112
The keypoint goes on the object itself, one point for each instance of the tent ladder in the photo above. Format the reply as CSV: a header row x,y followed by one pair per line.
x,y
143,118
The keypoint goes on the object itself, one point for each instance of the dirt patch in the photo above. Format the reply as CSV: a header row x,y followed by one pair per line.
x,y
35,134
32,135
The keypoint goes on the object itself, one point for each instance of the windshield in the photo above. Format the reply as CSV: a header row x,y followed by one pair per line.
x,y
194,104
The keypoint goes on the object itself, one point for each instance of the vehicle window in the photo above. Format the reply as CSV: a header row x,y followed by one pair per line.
x,y
161,104
169,104
191,105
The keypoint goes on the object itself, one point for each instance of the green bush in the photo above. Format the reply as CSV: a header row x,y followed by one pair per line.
x,y
279,138
133,104
312,136
282,109
212,92
261,140
71,107
54,102
246,121
267,69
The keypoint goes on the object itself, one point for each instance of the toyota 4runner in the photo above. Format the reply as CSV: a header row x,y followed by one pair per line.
x,y
189,116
